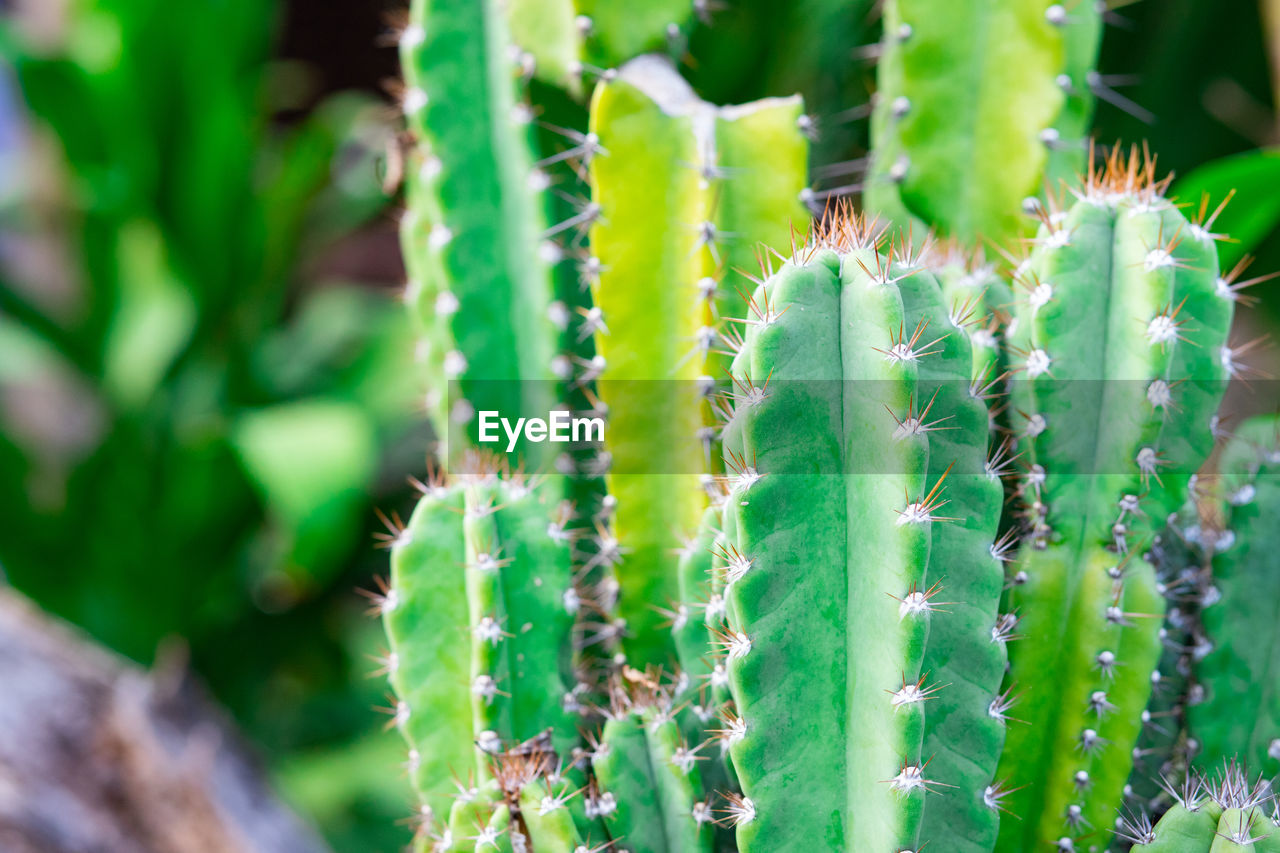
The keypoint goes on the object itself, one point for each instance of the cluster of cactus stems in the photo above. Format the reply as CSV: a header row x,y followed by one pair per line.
x,y
775,609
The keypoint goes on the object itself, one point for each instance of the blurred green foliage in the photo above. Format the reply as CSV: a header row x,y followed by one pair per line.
x,y
194,425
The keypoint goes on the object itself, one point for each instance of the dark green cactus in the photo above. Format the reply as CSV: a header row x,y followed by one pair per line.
x,y
480,284
1236,712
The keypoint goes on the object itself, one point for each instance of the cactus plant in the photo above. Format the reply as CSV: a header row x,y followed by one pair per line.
x,y
682,195
841,612
1118,390
1222,815
480,284
958,124
1236,713
565,41
822,476
479,617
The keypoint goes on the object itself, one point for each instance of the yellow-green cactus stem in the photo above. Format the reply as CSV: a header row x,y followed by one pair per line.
x,y
682,192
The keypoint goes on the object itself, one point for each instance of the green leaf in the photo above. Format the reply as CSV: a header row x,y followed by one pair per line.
x,y
311,461
1253,213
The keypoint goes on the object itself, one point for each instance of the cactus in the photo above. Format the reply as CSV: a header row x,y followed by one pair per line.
x,y
1066,140
1179,557
967,131
681,193
839,614
1221,815
956,131
479,617
565,40
1238,712
820,470
1118,389
650,773
473,233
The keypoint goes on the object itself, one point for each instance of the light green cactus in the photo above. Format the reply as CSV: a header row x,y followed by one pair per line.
x,y
1117,392
683,193
567,42
958,123
1227,814
969,131
479,616
823,477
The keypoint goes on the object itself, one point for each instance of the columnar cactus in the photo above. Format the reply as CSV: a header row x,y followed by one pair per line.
x,y
479,270
1179,556
649,773
1237,712
479,617
1228,814
842,550
839,618
567,40
682,193
1120,342
959,123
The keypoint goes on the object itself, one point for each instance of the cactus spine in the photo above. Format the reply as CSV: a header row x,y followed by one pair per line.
x,y
1223,815
822,477
1118,388
682,191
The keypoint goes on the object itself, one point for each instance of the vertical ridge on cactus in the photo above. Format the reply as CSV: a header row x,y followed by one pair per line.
x,y
1108,462
683,191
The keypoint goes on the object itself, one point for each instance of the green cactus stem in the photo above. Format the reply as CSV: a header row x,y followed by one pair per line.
x,y
567,41
1228,814
479,617
1238,709
648,774
958,123
837,561
475,229
1119,345
682,192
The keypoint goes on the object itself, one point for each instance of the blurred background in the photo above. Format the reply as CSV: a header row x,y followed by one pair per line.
x,y
206,382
